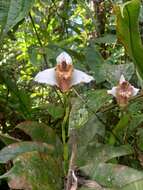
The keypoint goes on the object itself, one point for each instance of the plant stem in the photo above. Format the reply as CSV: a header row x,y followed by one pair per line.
x,y
73,142
64,133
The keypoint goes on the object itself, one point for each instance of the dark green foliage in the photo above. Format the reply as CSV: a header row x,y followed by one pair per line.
x,y
39,125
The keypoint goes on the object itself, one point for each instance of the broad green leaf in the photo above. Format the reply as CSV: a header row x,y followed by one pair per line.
x,y
33,55
5,138
104,71
92,185
89,132
86,188
116,176
78,114
137,185
42,133
134,122
38,131
97,99
20,97
93,155
107,39
13,150
140,138
95,62
112,73
93,58
90,151
135,106
13,11
128,31
35,171
55,111
120,128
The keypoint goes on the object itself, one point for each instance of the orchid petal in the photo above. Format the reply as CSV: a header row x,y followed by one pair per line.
x,y
135,91
64,57
47,76
112,91
80,77
122,79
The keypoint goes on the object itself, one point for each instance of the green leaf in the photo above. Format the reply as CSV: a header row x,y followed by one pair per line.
x,y
19,96
5,138
140,138
97,99
13,11
135,107
38,131
55,111
134,123
120,128
13,150
35,171
116,176
137,185
33,52
93,57
94,61
36,164
89,132
86,188
94,156
112,73
128,31
78,114
42,133
90,151
107,39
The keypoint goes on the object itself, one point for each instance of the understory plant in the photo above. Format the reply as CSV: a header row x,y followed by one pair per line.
x,y
71,109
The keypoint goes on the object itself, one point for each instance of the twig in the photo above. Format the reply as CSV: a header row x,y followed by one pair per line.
x,y
111,106
38,38
73,139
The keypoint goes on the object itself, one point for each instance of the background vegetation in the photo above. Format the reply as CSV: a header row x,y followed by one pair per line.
x,y
105,40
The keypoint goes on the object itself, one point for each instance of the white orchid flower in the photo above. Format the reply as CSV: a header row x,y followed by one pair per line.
x,y
123,91
64,76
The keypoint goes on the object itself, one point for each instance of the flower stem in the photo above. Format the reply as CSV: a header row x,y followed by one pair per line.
x,y
64,131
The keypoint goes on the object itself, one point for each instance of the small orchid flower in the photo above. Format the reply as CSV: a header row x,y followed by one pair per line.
x,y
123,92
64,76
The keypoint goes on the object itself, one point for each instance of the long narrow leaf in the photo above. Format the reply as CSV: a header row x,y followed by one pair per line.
x,y
128,31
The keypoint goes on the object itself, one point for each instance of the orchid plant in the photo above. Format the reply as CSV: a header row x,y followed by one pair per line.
x,y
63,76
123,92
